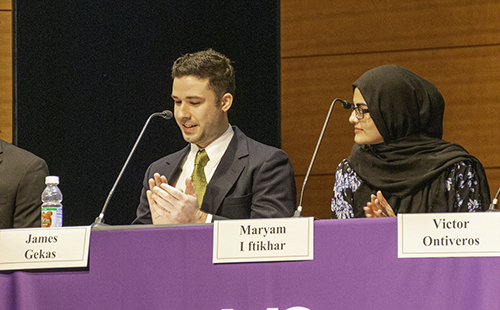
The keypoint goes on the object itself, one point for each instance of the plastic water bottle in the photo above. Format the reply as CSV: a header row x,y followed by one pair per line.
x,y
52,206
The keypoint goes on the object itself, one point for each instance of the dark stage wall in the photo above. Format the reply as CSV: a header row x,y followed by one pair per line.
x,y
90,72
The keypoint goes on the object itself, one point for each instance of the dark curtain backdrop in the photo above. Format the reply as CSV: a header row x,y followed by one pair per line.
x,y
90,72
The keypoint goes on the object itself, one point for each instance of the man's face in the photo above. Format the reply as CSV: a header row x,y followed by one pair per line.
x,y
198,115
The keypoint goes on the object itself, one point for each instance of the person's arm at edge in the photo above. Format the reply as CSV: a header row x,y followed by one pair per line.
x,y
28,198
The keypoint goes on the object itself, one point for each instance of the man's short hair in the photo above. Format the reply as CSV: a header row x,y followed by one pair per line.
x,y
207,64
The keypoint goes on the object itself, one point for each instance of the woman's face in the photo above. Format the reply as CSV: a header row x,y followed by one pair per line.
x,y
365,131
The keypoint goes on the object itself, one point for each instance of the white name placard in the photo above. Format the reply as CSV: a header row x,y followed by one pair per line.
x,y
261,240
40,248
449,234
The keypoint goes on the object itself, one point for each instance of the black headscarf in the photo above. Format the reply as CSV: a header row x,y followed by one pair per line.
x,y
408,167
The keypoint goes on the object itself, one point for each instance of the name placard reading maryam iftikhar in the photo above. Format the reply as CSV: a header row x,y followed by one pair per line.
x,y
261,240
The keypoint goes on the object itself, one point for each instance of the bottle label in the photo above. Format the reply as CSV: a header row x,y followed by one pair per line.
x,y
51,216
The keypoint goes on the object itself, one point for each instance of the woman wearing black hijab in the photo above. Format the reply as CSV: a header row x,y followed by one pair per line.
x,y
399,163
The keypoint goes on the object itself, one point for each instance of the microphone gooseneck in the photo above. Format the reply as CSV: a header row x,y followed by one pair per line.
x,y
298,212
166,115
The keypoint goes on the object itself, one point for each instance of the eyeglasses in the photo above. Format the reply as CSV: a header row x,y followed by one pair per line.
x,y
360,112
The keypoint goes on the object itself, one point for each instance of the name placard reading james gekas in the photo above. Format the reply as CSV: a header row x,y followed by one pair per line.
x,y
260,240
40,248
449,234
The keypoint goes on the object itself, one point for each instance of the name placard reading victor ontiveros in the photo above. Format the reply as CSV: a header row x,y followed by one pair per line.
x,y
261,240
449,234
40,248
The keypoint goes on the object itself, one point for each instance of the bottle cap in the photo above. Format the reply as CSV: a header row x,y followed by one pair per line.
x,y
52,179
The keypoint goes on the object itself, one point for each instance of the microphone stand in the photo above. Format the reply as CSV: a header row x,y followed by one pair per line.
x,y
298,212
100,219
493,205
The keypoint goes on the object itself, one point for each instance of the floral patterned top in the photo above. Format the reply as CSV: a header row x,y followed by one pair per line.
x,y
460,185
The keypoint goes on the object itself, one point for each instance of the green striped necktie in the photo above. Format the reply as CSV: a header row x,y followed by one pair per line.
x,y
198,177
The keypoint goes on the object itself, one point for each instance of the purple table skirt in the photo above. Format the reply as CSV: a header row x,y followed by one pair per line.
x,y
355,266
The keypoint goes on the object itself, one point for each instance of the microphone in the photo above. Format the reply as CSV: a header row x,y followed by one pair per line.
x,y
346,105
493,205
166,115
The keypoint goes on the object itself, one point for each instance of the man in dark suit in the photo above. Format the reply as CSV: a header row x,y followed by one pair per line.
x,y
239,177
22,181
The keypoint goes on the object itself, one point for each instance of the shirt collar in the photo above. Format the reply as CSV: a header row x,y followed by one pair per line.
x,y
217,148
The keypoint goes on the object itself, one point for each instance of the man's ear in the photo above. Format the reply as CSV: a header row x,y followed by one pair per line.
x,y
226,102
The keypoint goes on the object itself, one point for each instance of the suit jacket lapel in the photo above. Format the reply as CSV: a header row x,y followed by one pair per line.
x,y
174,165
227,173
